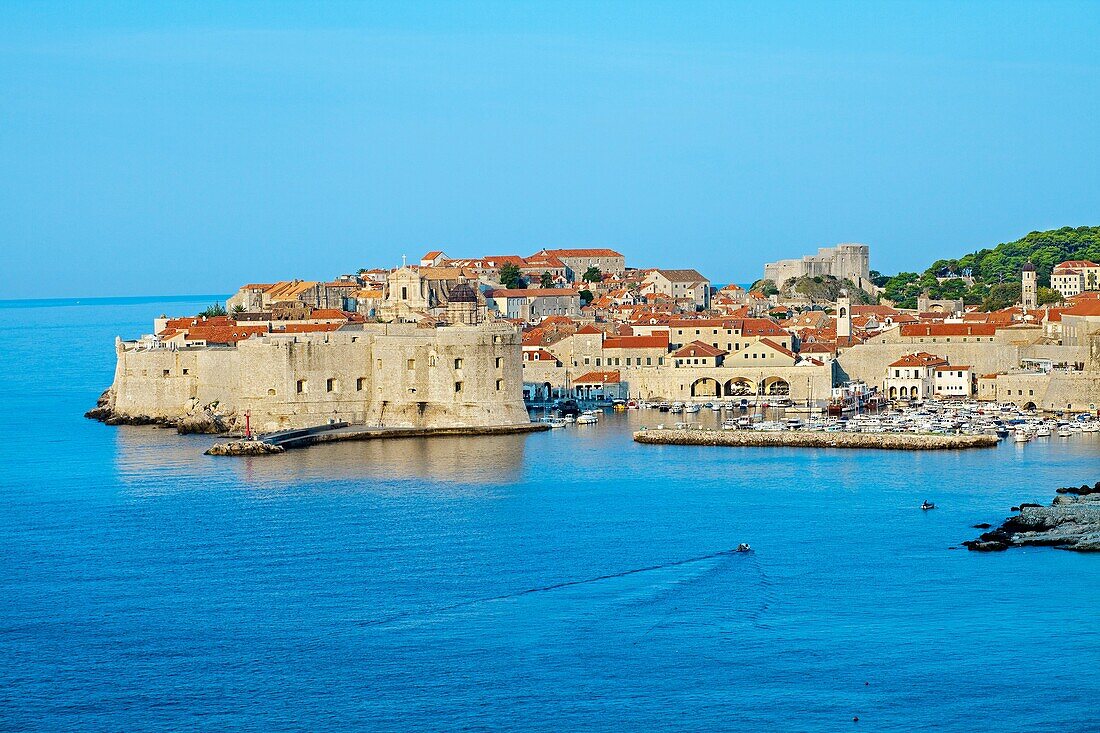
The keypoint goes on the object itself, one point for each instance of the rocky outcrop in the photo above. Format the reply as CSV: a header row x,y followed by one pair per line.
x,y
1071,522
244,448
205,421
800,439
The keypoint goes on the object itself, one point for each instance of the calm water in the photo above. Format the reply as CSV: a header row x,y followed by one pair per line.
x,y
147,587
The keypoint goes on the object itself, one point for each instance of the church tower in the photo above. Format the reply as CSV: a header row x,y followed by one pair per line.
x,y
1029,287
843,316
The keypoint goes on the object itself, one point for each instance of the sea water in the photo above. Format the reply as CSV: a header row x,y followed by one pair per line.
x,y
567,580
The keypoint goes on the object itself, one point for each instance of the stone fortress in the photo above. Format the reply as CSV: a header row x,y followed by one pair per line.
x,y
379,374
845,261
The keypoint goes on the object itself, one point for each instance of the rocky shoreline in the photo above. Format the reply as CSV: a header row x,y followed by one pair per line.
x,y
205,421
799,439
1071,522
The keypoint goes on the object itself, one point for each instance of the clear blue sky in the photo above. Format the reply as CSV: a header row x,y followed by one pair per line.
x,y
156,148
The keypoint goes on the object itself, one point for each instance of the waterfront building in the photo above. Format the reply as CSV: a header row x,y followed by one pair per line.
x,y
913,377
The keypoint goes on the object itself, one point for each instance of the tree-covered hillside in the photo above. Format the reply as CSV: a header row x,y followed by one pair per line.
x,y
995,272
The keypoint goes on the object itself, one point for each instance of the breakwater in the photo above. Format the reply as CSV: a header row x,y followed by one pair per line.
x,y
800,439
280,442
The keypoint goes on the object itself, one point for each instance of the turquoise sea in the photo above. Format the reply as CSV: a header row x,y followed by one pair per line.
x,y
381,586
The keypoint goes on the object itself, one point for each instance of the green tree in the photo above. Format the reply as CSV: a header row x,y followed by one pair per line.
x,y
546,280
215,309
586,297
1048,295
510,276
592,275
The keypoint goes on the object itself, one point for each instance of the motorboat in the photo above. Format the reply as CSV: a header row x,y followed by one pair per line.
x,y
554,422
744,547
587,419
926,505
692,407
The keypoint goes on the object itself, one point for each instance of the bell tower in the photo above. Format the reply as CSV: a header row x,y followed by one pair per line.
x,y
1029,287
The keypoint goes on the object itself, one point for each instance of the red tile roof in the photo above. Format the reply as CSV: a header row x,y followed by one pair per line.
x,y
611,377
699,349
656,341
948,329
919,359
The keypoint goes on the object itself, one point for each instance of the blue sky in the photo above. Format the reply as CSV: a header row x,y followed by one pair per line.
x,y
159,148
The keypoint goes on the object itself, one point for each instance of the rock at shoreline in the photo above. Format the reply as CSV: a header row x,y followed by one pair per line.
x,y
1071,522
206,422
244,448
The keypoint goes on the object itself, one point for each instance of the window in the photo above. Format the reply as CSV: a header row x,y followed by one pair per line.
x,y
649,361
500,362
458,363
597,361
185,371
458,387
167,372
410,364
330,385
301,386
500,385
271,393
379,364
360,383
404,293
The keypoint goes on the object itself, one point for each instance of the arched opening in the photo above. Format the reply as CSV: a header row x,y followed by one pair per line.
x,y
893,393
740,387
776,386
705,387
905,393
1029,406
547,391
843,312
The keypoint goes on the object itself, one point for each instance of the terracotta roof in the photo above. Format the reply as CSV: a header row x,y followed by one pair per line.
x,y
682,276
590,329
777,347
611,377
699,349
596,252
1074,264
656,341
952,368
948,329
919,359
1084,308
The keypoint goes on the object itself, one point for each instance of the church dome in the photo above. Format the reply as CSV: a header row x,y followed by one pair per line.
x,y
462,293
1028,267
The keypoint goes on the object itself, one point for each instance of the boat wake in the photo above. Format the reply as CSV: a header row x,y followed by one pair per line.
x,y
423,612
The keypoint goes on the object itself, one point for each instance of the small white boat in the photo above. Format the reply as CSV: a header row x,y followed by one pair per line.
x,y
691,407
1064,432
1021,436
555,422
586,419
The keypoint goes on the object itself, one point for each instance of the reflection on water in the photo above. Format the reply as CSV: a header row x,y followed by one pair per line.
x,y
147,458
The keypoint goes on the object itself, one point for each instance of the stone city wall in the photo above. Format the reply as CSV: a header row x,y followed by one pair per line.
x,y
357,376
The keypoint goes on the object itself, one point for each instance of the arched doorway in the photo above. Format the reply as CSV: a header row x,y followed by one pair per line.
x,y
776,386
893,393
705,387
740,387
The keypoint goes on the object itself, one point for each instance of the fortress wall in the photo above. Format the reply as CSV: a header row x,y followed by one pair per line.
x,y
1074,391
417,378
303,380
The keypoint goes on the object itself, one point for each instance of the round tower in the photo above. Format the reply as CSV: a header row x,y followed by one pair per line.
x,y
463,306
